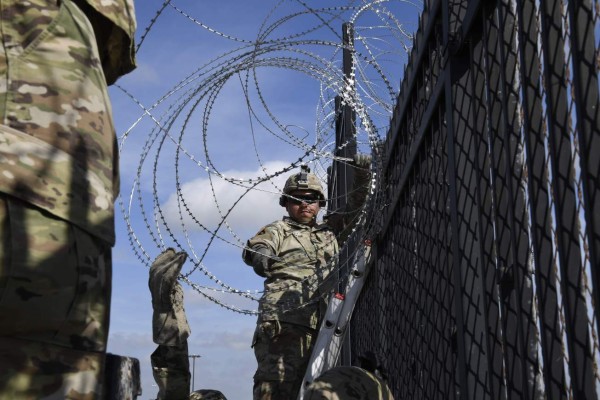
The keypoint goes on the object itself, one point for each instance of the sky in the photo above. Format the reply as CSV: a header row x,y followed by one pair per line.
x,y
227,100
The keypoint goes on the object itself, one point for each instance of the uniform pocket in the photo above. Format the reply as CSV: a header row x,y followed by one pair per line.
x,y
38,283
28,23
265,332
86,321
270,329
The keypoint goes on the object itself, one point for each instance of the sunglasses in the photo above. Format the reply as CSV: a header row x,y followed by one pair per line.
x,y
297,200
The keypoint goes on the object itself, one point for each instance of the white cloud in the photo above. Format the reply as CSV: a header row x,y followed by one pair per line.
x,y
145,74
258,206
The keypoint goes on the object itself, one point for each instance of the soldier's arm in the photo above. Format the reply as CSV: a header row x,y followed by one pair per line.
x,y
260,251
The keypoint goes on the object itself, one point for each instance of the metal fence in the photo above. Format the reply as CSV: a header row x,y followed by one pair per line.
x,y
485,280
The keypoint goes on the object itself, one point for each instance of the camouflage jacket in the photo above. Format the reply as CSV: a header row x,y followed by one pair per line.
x,y
298,282
57,139
114,26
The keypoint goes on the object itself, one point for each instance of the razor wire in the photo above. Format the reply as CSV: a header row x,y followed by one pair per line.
x,y
379,51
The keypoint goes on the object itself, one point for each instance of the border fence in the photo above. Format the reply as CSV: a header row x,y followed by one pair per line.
x,y
485,279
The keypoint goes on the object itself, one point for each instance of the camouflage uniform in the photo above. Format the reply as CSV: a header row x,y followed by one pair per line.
x,y
57,186
293,300
297,261
348,383
170,329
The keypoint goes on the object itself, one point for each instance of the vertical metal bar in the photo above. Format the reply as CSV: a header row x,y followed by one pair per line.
x,y
408,286
425,223
420,270
485,226
517,211
447,314
587,101
346,148
446,77
345,124
469,257
563,187
345,139
534,133
509,308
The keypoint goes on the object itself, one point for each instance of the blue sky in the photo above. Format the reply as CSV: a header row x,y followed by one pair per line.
x,y
229,117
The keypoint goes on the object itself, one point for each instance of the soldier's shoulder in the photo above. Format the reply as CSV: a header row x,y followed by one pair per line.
x,y
119,12
324,226
273,226
348,383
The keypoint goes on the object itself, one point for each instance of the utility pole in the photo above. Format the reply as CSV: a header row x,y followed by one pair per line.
x,y
193,357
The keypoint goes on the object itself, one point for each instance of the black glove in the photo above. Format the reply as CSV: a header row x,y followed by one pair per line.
x,y
360,184
335,220
261,255
163,277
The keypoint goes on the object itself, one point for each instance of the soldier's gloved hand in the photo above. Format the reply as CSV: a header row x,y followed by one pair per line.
x,y
360,186
335,221
261,256
361,160
362,175
163,274
169,323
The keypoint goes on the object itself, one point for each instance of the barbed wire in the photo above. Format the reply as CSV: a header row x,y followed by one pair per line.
x,y
160,215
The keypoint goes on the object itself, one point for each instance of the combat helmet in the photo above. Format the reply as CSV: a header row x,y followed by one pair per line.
x,y
303,180
348,383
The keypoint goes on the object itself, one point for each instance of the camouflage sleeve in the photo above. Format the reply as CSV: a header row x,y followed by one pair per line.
x,y
269,236
114,25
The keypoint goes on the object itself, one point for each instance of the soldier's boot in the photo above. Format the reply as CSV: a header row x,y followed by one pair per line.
x,y
170,329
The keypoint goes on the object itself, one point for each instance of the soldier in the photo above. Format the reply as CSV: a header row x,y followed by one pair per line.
x,y
296,256
58,182
170,330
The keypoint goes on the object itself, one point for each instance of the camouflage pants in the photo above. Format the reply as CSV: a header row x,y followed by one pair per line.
x,y
55,282
171,370
282,351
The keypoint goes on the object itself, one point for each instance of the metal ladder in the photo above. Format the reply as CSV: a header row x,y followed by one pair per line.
x,y
329,341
